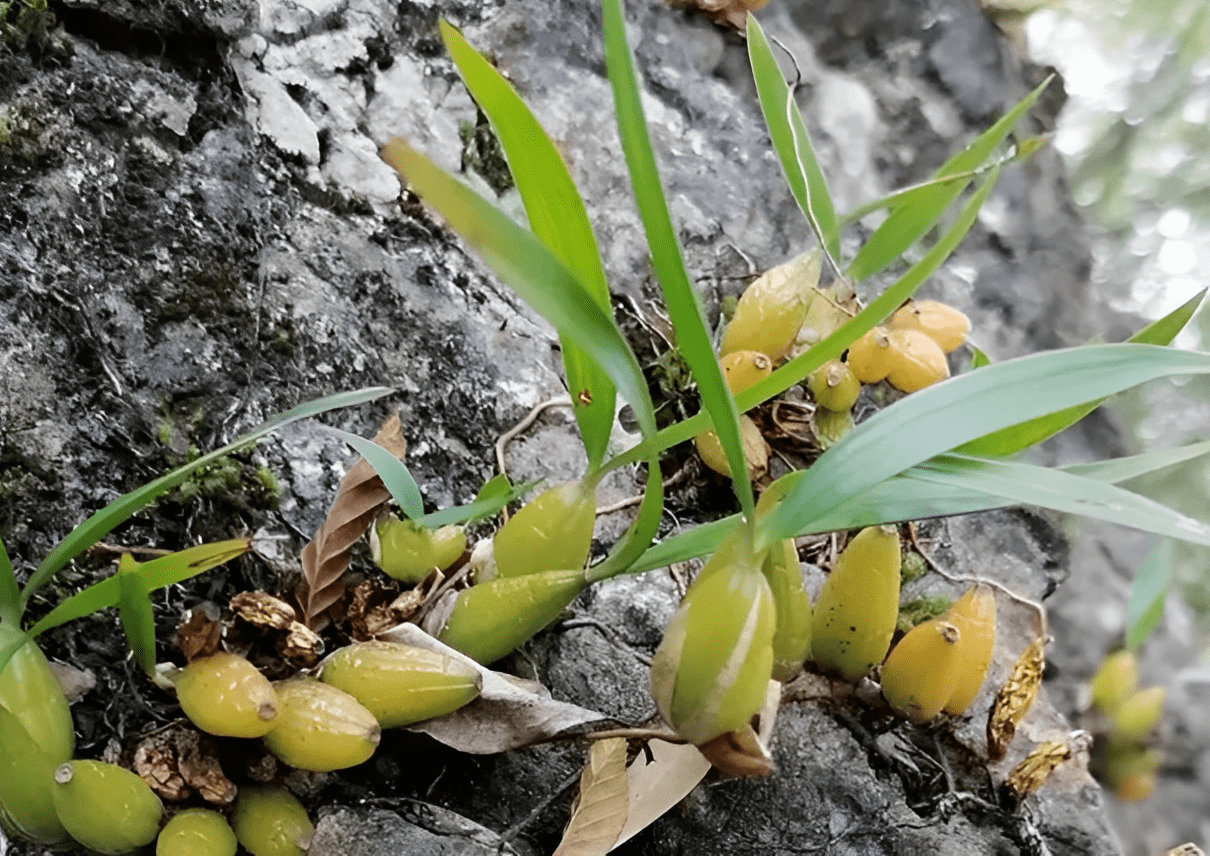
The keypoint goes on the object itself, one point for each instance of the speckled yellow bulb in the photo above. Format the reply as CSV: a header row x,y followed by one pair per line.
x,y
743,369
974,614
854,617
771,310
915,361
270,821
870,356
756,451
224,694
918,677
834,386
552,532
944,324
106,807
321,728
196,832
1116,679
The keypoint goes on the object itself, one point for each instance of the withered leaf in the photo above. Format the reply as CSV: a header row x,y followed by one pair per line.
x,y
1014,699
200,632
263,610
654,786
178,762
358,500
729,13
508,714
600,810
739,753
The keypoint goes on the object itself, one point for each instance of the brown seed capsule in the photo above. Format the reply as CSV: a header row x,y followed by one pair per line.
x,y
1036,768
870,356
226,695
834,386
743,369
915,361
944,324
1014,698
918,677
974,614
321,728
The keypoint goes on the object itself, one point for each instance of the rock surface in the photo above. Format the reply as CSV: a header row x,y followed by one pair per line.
x,y
197,233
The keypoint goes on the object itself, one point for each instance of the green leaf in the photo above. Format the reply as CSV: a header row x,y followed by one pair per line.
x,y
791,141
10,592
1148,592
526,265
979,359
556,215
684,307
158,573
834,345
1061,491
395,476
634,544
950,413
906,497
134,611
916,212
498,485
103,522
483,506
1014,438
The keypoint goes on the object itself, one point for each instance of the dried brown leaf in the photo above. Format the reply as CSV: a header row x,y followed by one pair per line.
x,y
263,610
1014,699
657,781
1189,849
508,714
600,811
300,645
729,13
358,501
739,753
179,762
200,632
1037,767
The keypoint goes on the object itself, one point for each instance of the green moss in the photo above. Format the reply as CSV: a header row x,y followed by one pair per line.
x,y
25,22
912,566
921,609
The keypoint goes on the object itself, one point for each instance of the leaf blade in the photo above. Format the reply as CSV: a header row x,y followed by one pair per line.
x,y
556,215
395,475
135,615
103,522
601,808
684,306
791,141
1148,593
917,211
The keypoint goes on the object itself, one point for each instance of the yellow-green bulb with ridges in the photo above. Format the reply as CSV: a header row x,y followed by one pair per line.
x,y
105,807
1115,680
792,609
196,832
855,613
974,614
552,532
918,677
26,779
401,684
225,694
321,728
270,821
409,551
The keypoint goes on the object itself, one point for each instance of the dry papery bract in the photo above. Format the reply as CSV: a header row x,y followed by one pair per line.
x,y
358,501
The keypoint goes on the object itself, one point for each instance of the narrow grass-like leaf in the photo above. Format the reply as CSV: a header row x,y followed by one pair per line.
x,y
634,543
102,523
134,612
791,141
955,411
1014,438
1148,592
905,497
917,212
1066,492
556,215
10,592
532,270
477,510
396,477
163,571
979,359
834,345
684,307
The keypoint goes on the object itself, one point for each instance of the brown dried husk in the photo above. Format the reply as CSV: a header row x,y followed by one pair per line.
x,y
1014,699
359,499
729,13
